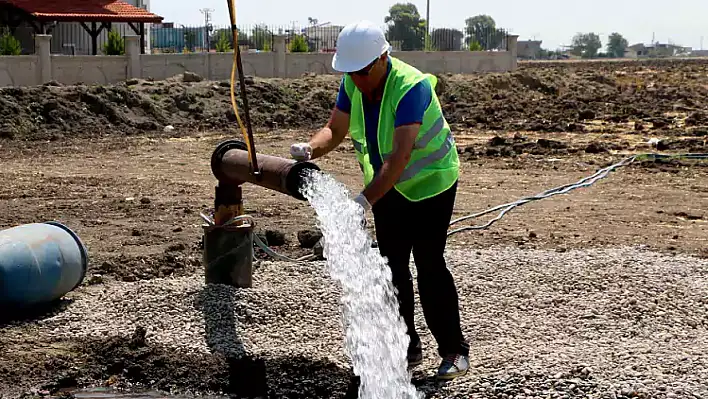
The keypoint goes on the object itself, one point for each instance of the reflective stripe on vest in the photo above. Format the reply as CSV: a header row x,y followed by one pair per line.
x,y
416,166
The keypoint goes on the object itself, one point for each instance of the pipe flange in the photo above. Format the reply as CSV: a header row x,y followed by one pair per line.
x,y
221,149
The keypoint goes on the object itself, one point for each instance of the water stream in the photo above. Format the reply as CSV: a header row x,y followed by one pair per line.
x,y
375,334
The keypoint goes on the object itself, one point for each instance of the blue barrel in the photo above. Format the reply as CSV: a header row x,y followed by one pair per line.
x,y
40,263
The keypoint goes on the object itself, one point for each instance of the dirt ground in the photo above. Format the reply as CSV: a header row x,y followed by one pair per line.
x,y
97,159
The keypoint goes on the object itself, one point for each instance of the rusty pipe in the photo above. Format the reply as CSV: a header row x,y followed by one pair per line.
x,y
229,164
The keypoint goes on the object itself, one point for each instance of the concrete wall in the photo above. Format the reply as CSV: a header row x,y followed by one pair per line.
x,y
21,70
44,66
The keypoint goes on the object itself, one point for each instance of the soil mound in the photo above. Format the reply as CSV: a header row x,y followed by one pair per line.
x,y
608,97
53,111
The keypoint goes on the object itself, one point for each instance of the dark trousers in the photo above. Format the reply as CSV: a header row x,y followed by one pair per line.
x,y
403,226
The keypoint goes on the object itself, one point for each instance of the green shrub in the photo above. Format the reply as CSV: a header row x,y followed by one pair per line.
x,y
115,44
9,45
299,45
476,46
223,44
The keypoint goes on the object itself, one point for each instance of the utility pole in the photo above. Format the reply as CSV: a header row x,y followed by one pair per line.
x,y
207,20
427,24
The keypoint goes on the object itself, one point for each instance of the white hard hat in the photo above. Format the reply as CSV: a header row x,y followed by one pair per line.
x,y
358,45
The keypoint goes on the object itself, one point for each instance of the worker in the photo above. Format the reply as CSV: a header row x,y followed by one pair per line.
x,y
409,160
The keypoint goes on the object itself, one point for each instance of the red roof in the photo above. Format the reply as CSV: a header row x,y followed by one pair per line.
x,y
84,10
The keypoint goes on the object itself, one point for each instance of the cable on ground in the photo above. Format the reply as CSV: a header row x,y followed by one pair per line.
x,y
585,182
505,208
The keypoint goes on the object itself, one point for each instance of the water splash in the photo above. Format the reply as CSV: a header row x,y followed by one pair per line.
x,y
375,333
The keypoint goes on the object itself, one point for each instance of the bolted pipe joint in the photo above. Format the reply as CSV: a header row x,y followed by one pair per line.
x,y
230,165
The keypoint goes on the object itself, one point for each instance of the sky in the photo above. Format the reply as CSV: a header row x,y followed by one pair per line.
x,y
681,22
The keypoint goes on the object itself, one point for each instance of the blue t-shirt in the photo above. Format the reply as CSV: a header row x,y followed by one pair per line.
x,y
410,109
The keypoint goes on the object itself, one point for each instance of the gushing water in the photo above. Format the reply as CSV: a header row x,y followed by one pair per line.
x,y
375,334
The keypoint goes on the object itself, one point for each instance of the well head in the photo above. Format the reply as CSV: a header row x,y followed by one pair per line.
x,y
230,164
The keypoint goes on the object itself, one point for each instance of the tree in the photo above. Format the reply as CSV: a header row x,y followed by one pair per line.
x,y
190,39
298,44
115,45
406,26
225,32
482,29
446,39
9,45
586,45
616,45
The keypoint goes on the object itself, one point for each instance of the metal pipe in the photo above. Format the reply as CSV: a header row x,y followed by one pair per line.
x,y
230,165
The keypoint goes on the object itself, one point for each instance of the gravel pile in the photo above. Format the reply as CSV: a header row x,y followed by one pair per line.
x,y
594,323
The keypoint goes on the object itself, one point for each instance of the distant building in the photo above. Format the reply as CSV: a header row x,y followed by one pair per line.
x,y
168,38
699,53
529,49
641,50
69,22
73,38
322,37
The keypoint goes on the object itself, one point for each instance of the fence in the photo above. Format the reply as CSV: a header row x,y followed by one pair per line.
x,y
42,66
177,38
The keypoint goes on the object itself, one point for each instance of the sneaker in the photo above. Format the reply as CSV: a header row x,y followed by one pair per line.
x,y
453,366
415,355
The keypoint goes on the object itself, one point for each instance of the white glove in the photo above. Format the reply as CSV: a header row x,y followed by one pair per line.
x,y
301,151
361,200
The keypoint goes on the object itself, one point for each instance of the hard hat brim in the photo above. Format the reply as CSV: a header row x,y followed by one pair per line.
x,y
341,64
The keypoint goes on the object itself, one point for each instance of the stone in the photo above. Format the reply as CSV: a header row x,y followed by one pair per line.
x,y
595,148
586,114
546,143
308,238
275,238
497,141
96,279
191,77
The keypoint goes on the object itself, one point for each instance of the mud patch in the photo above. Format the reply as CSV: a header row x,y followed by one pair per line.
x,y
132,364
131,268
518,145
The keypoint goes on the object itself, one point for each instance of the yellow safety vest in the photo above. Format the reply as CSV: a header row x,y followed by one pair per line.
x,y
434,164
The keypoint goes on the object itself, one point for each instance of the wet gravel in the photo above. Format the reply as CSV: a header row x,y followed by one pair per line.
x,y
610,323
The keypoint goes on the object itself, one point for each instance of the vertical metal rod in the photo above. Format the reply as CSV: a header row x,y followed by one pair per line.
x,y
427,26
249,130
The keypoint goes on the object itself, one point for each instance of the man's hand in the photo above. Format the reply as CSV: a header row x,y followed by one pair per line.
x,y
365,207
361,200
393,167
301,151
325,140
